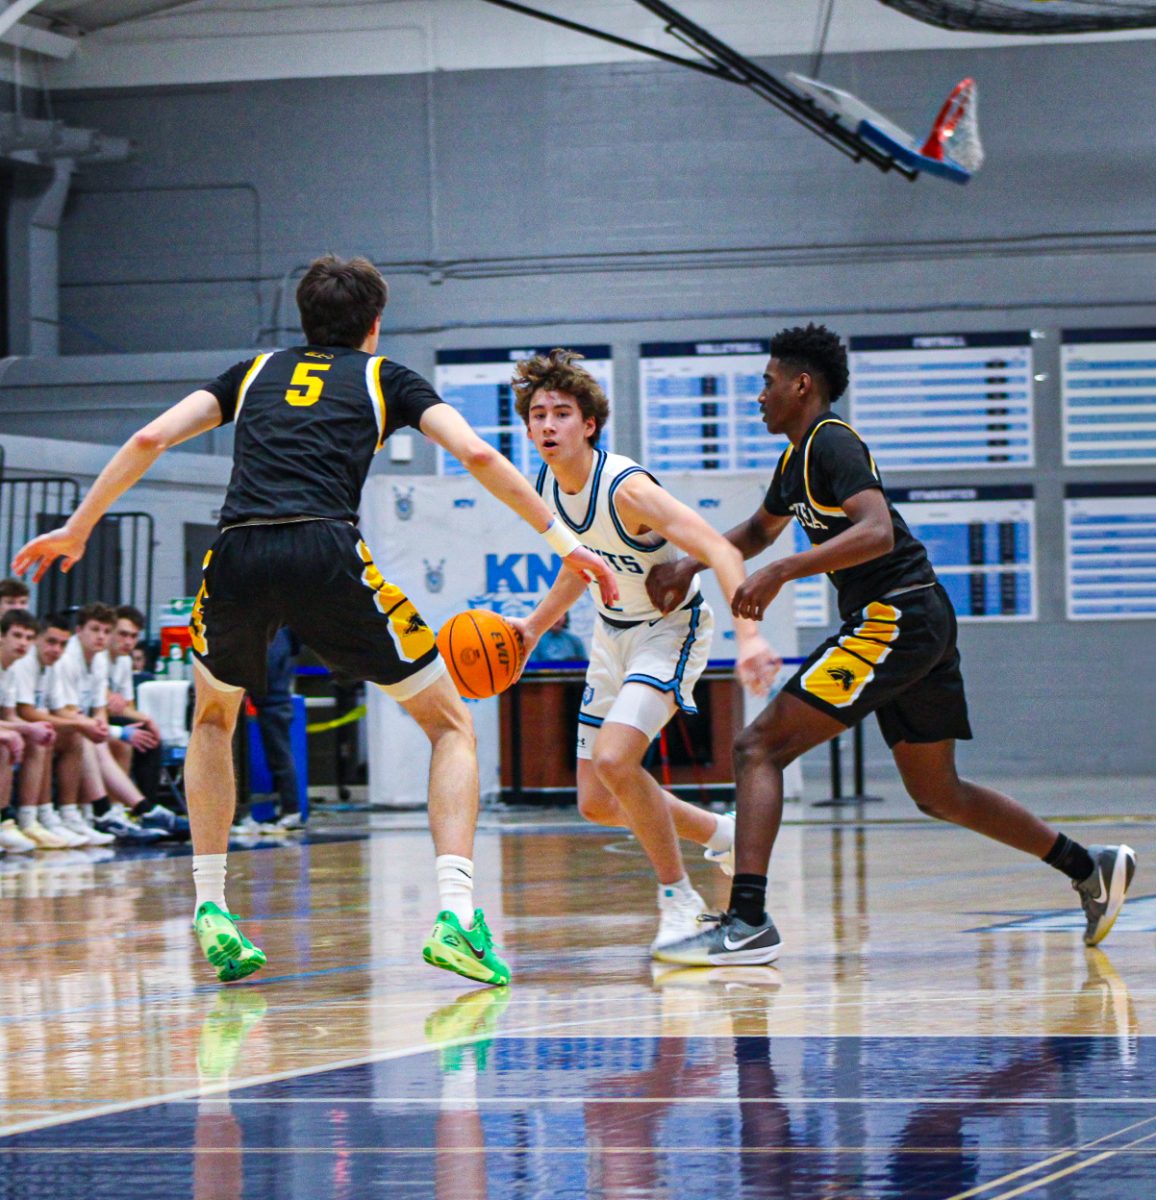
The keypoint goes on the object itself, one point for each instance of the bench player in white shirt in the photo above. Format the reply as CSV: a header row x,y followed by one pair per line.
x,y
27,744
643,665
80,691
34,675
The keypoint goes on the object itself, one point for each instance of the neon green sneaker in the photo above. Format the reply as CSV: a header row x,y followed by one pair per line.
x,y
224,945
469,1022
234,1014
468,952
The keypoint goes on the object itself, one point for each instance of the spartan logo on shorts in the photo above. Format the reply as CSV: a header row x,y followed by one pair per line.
x,y
411,635
842,676
844,670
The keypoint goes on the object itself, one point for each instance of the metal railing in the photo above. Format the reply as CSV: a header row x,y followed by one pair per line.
x,y
118,564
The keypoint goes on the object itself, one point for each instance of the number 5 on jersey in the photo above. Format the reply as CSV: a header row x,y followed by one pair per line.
x,y
305,386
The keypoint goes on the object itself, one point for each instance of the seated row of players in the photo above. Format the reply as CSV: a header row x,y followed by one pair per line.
x,y
70,731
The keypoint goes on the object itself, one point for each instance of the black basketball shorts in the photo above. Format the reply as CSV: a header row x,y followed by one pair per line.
x,y
317,577
897,658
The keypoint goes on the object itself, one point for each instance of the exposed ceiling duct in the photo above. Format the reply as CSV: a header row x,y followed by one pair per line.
x,y
1030,16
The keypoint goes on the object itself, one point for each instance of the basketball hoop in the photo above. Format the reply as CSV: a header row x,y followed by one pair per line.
x,y
955,133
952,150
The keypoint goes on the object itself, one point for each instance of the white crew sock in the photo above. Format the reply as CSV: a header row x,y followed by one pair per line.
x,y
460,1087
69,812
456,887
672,893
46,814
26,815
724,833
209,880
88,813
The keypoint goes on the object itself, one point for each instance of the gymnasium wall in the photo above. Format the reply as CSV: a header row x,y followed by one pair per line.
x,y
632,202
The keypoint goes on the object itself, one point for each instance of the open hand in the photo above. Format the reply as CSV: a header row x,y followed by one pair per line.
x,y
757,665
527,640
43,551
587,564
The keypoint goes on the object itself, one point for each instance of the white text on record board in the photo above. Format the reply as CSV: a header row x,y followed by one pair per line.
x,y
944,401
1111,551
1108,379
981,542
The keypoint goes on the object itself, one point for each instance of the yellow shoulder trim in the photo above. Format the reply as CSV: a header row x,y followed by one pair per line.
x,y
831,512
250,375
373,383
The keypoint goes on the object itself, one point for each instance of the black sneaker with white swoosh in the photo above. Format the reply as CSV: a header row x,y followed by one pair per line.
x,y
724,939
1102,893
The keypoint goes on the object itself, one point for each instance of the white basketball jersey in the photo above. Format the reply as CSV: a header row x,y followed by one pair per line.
x,y
593,519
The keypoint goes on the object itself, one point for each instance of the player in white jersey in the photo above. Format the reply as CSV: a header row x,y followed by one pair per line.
x,y
643,664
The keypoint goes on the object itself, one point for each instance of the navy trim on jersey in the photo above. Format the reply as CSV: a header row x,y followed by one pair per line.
x,y
674,685
540,482
584,719
645,549
592,505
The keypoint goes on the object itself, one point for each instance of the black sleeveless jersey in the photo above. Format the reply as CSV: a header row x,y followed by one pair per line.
x,y
831,465
309,421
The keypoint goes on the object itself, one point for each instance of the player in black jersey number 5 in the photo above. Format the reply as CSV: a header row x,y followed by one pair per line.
x,y
308,422
895,655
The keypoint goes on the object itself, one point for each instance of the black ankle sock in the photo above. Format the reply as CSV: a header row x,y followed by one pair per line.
x,y
139,810
749,898
1071,858
100,807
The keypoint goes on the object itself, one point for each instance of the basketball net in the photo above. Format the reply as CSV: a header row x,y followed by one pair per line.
x,y
955,134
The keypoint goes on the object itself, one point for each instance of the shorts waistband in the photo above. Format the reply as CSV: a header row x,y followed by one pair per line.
x,y
915,587
281,521
616,623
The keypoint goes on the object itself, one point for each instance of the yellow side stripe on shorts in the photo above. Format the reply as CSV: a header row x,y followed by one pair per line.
x,y
872,651
878,611
881,631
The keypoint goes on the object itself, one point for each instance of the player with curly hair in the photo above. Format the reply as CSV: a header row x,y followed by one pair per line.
x,y
643,663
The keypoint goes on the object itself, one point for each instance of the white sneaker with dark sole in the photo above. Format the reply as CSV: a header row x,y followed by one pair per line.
x,y
1102,893
725,940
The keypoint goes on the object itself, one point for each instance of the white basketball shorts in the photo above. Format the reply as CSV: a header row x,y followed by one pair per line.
x,y
638,676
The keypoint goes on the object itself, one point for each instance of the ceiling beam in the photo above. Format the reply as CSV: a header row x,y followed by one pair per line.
x,y
13,13
40,41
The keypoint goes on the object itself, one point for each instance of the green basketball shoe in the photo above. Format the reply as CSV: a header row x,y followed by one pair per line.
x,y
468,952
224,945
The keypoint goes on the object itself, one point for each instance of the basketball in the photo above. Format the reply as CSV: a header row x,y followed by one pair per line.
x,y
482,651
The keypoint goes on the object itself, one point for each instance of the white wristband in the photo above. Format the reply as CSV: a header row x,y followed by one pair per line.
x,y
117,732
560,539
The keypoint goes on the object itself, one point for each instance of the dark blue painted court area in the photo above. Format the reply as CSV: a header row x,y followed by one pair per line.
x,y
623,1117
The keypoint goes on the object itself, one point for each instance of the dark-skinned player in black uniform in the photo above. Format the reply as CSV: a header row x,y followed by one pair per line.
x,y
895,655
308,422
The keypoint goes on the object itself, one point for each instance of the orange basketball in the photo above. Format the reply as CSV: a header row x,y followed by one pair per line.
x,y
482,651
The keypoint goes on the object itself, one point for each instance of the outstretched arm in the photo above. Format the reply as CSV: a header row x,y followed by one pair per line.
x,y
871,535
196,413
642,504
667,585
450,430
